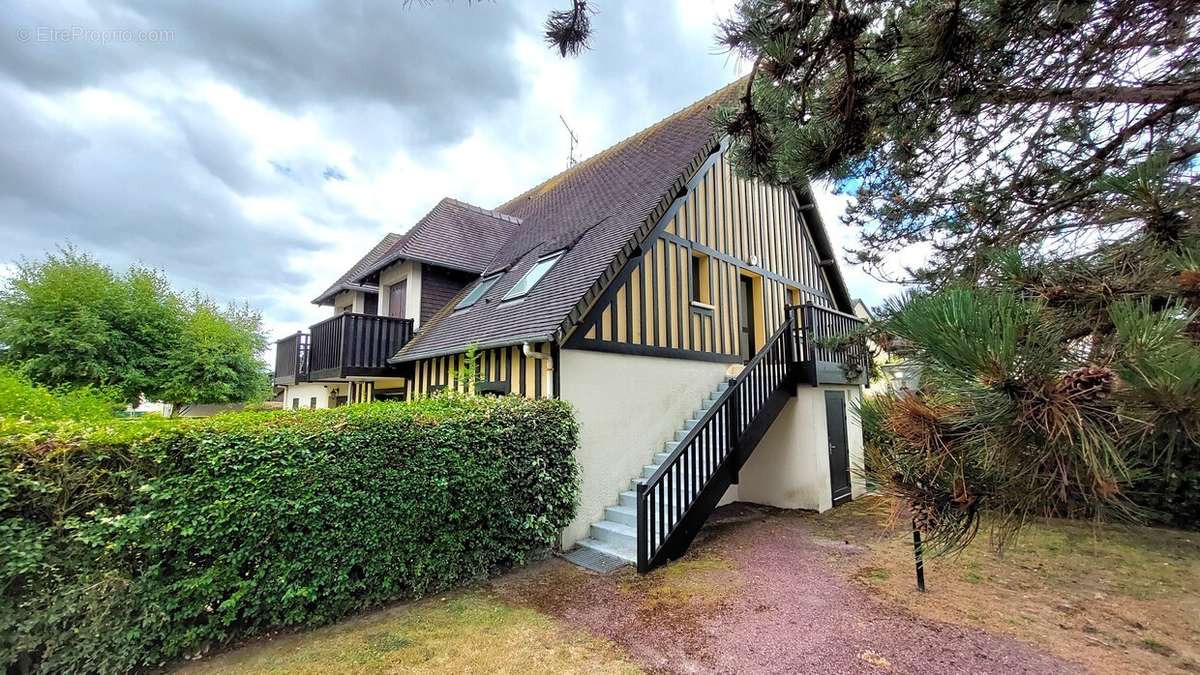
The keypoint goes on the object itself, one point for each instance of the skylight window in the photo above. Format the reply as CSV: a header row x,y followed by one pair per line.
x,y
478,292
533,276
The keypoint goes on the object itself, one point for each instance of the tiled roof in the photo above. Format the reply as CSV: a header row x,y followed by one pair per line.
x,y
348,282
596,210
453,234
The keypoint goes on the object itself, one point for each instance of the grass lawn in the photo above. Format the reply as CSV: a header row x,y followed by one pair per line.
x,y
1116,599
467,632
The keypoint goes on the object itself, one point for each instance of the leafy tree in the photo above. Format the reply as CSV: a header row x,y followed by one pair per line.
x,y
215,359
977,125
70,321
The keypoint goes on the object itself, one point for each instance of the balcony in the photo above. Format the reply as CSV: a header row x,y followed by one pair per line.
x,y
347,345
350,345
830,347
291,359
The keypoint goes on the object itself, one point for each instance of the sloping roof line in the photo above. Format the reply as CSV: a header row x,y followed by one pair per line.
x,y
434,239
622,144
623,217
347,282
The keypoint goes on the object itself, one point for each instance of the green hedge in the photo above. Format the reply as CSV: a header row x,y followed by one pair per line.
x,y
129,544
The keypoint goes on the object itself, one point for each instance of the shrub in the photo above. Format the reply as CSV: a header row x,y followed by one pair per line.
x,y
20,398
129,544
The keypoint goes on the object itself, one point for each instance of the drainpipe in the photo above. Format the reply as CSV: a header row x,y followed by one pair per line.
x,y
548,361
528,350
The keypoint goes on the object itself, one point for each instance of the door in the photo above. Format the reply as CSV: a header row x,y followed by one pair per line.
x,y
397,296
839,447
746,317
371,304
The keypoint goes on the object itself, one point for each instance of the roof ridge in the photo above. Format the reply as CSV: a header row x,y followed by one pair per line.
x,y
487,212
566,173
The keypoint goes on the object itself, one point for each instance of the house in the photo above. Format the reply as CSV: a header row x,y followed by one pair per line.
x,y
689,315
894,373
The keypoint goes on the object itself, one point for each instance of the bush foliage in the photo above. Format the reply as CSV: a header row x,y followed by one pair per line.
x,y
20,399
127,544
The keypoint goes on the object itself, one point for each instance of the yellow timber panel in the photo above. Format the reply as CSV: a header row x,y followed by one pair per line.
x,y
525,376
744,227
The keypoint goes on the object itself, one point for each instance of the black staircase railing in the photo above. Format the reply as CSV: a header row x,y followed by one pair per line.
x,y
352,344
674,502
291,359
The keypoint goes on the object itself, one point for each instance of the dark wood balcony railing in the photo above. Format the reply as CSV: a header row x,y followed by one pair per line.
x,y
829,347
291,359
352,344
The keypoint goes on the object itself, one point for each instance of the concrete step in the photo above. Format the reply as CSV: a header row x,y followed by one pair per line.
x,y
615,534
626,515
649,470
628,554
622,515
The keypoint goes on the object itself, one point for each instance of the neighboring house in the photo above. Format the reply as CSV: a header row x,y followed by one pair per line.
x,y
895,374
678,307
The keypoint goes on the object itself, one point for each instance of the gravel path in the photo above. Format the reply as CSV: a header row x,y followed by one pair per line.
x,y
758,594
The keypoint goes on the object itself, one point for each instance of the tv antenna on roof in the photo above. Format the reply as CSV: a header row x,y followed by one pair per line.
x,y
571,161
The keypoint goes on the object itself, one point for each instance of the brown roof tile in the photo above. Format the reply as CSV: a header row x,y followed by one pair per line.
x,y
454,234
594,210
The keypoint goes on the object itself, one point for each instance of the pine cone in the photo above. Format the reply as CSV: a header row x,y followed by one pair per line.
x,y
1189,281
1087,383
925,516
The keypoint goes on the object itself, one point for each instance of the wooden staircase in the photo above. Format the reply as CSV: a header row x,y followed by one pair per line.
x,y
658,518
674,502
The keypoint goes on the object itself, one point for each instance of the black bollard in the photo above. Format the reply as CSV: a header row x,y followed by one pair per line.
x,y
917,555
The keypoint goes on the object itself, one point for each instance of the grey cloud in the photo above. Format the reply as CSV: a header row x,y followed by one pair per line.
x,y
437,68
136,195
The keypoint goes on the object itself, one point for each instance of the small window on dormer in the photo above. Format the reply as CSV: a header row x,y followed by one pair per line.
x,y
478,292
534,275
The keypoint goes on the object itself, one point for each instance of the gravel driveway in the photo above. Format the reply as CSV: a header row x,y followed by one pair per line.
x,y
759,593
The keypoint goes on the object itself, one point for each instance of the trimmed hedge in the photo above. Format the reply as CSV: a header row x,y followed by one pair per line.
x,y
127,545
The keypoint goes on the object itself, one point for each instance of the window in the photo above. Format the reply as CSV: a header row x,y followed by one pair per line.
x,y
533,276
478,292
700,288
312,403
295,404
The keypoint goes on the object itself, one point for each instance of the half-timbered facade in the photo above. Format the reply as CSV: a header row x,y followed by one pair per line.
x,y
690,315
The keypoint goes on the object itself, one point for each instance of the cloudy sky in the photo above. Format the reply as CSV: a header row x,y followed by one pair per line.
x,y
254,150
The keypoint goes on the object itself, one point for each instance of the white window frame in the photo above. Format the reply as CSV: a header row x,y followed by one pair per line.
x,y
552,258
481,289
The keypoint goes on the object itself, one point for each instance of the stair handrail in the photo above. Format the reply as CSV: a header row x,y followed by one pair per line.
x,y
781,336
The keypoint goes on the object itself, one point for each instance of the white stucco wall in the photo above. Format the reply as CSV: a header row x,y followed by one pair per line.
x,y
790,467
305,391
395,274
628,406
